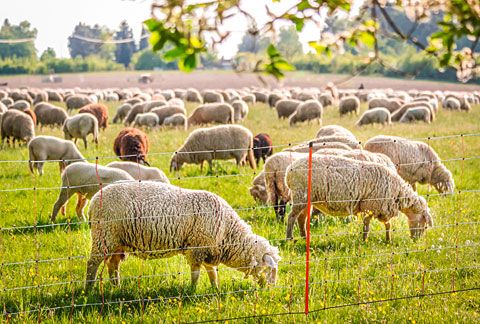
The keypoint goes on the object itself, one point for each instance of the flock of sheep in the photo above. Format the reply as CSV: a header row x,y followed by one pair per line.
x,y
138,211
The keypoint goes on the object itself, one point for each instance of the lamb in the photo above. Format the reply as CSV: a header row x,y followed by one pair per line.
x,y
262,147
162,217
415,161
309,110
176,120
50,115
85,179
349,105
131,144
122,112
79,126
416,114
211,96
17,125
240,108
132,113
43,148
286,107
222,113
375,116
100,111
343,186
149,120
140,172
335,130
165,112
215,143
77,101
258,189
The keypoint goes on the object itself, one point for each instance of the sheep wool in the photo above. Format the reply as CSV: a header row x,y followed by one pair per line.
x,y
80,126
309,110
140,172
349,105
17,125
222,113
375,116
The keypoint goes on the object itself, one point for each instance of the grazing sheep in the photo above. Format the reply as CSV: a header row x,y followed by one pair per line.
x,y
43,148
286,107
79,126
240,108
50,115
260,96
140,172
177,102
375,116
416,114
17,125
415,161
258,189
262,147
32,115
215,143
273,98
157,216
131,144
165,112
361,155
390,105
132,113
211,96
41,96
148,106
222,113
7,101
304,148
21,95
54,96
122,112
99,111
451,103
349,105
309,110
250,98
77,101
20,105
326,99
335,130
192,95
352,143
176,120
148,119
134,101
3,108
397,115
343,186
85,179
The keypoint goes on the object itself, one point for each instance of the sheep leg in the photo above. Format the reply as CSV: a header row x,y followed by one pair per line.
x,y
40,168
195,274
281,209
302,222
292,218
212,275
85,142
366,227
388,227
62,199
113,265
81,203
93,263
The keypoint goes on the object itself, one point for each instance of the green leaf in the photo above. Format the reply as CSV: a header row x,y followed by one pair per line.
x,y
174,53
272,51
188,63
284,65
367,38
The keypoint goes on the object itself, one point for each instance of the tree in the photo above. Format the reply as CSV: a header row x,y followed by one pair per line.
x,y
143,44
22,32
48,54
192,24
253,44
289,43
124,51
89,40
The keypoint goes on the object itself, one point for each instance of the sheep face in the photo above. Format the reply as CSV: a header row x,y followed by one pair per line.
x,y
419,222
442,180
175,164
259,193
264,271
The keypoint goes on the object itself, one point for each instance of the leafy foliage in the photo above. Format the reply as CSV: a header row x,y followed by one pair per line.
x,y
14,32
124,51
79,47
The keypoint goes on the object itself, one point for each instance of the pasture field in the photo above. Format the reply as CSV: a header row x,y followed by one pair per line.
x,y
350,280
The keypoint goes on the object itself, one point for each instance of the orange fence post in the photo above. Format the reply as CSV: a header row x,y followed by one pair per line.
x,y
309,207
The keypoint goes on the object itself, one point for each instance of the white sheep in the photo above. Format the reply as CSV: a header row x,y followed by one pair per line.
x,y
335,130
258,189
139,171
168,220
175,120
222,113
416,114
241,109
148,119
79,126
375,116
43,148
343,186
16,125
306,111
85,179
349,105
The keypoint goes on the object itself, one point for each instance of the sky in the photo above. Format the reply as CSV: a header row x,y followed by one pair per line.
x,y
56,19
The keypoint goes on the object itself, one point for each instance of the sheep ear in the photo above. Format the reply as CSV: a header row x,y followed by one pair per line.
x,y
269,261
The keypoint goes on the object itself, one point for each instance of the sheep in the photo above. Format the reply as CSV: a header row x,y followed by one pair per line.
x,y
211,96
222,113
260,96
168,94
240,108
309,110
32,115
40,96
352,143
165,112
7,101
349,105
149,120
451,103
258,190
343,186
326,99
131,144
378,115
148,106
157,216
49,115
397,115
273,98
192,95
262,147
176,120
3,108
21,95
361,155
79,126
132,113
140,172
335,130
133,101
286,107
85,179
43,148
54,96
177,102
414,114
100,111
250,98
77,101
304,148
17,125
20,105
390,105
415,161
122,112
215,143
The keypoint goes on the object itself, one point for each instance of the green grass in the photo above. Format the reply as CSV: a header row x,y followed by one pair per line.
x,y
344,269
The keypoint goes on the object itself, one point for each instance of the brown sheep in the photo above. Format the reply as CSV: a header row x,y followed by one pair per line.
x,y
100,111
32,115
131,144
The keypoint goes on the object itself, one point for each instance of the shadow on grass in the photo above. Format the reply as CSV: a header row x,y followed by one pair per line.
x,y
46,226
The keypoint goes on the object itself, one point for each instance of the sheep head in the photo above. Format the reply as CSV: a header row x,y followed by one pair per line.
x,y
175,163
263,265
419,218
442,180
